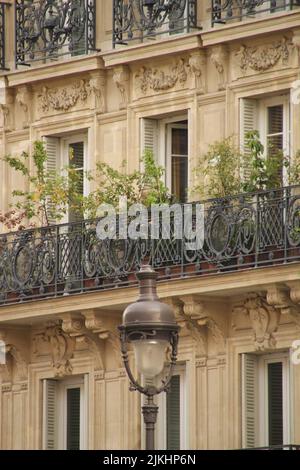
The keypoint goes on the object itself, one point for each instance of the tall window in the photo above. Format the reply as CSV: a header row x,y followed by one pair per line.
x,y
65,414
265,400
168,141
271,118
172,418
69,151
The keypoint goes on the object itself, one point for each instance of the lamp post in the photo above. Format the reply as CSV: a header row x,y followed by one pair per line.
x,y
150,327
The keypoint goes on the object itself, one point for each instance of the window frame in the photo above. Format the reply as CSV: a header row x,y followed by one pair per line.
x,y
263,404
161,428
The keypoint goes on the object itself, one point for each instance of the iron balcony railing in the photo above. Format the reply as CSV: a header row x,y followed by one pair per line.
x,y
224,11
48,29
3,6
138,20
277,447
241,232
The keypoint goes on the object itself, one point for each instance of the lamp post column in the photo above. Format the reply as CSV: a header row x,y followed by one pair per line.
x,y
150,411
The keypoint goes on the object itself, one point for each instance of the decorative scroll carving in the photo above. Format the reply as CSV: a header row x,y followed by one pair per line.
x,y
97,85
105,330
188,326
159,80
121,79
194,309
197,65
218,56
264,319
13,358
62,348
23,98
63,99
262,58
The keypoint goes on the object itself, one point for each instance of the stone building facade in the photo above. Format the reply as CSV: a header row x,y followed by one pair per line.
x,y
209,75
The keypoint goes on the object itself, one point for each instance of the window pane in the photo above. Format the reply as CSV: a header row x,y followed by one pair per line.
x,y
275,396
179,141
275,129
180,178
73,419
173,414
76,158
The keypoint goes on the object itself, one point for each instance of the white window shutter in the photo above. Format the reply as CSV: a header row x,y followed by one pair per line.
x,y
249,400
49,414
52,164
149,136
248,122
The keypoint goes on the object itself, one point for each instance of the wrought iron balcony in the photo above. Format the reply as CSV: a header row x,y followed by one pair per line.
x,y
48,29
224,11
3,7
243,232
139,20
279,447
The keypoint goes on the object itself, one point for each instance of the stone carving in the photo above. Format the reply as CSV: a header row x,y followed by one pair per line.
x,y
105,330
195,310
264,319
4,110
197,65
23,98
189,326
218,56
14,358
62,348
158,80
262,58
63,99
121,79
97,85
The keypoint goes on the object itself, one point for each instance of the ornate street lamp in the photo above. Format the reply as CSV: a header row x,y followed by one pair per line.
x,y
150,327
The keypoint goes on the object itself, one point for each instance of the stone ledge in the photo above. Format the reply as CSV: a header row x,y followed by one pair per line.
x,y
214,285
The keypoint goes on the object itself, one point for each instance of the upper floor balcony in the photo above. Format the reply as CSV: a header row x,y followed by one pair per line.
x,y
245,232
46,31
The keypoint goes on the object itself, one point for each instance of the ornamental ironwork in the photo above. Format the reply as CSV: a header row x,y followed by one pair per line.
x,y
48,29
235,10
137,20
240,232
3,6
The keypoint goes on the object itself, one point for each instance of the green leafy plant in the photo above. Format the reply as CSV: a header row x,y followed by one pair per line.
x,y
262,172
219,171
50,196
146,186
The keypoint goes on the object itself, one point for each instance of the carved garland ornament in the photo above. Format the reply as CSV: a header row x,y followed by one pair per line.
x,y
260,58
158,80
63,99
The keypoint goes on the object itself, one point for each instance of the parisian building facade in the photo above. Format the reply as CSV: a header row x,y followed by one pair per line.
x,y
108,79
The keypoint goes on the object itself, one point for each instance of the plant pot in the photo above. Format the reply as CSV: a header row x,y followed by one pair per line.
x,y
208,267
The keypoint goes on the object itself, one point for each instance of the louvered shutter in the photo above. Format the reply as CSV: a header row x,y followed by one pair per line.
x,y
275,403
149,136
249,400
73,418
52,149
49,414
173,414
248,122
76,160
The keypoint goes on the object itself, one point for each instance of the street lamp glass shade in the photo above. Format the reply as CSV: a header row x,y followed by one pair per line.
x,y
150,356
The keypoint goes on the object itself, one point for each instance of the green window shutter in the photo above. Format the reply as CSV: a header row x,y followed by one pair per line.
x,y
249,400
149,136
275,403
73,419
173,414
52,165
50,414
248,122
